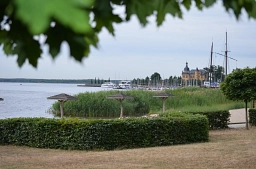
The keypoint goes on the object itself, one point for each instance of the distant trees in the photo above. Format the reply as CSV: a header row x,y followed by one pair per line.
x,y
156,80
240,85
217,73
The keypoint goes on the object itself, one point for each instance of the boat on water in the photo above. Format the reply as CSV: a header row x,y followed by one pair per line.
x,y
124,84
108,85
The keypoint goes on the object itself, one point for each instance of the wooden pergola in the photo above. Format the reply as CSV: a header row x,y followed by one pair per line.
x,y
62,98
163,96
120,97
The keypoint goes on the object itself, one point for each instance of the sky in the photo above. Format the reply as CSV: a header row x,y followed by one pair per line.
x,y
138,52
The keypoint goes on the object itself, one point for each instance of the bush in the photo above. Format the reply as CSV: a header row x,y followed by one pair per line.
x,y
217,119
252,117
103,134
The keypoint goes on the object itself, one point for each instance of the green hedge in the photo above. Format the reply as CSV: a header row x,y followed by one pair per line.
x,y
103,134
217,119
252,117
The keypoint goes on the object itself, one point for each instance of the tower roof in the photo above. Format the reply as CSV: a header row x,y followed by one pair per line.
x,y
186,68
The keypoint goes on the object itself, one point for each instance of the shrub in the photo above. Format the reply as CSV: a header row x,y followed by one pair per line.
x,y
103,134
252,117
217,119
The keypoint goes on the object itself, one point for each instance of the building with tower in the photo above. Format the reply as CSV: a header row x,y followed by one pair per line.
x,y
193,77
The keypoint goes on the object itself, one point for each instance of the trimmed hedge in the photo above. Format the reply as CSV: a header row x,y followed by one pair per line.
x,y
103,134
217,119
252,117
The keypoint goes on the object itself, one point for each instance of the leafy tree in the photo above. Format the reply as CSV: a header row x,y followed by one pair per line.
x,y
170,80
79,22
147,80
240,85
155,78
217,73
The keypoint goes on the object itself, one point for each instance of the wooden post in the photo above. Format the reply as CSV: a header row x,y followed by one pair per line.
x,y
164,99
61,108
121,107
246,116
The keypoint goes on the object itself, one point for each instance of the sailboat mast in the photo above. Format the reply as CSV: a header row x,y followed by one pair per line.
x,y
211,66
226,55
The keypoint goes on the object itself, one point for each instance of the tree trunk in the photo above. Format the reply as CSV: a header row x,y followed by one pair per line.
x,y
121,107
164,105
61,109
246,115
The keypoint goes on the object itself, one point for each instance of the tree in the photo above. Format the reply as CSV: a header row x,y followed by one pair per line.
x,y
240,85
147,80
155,78
170,80
28,25
217,73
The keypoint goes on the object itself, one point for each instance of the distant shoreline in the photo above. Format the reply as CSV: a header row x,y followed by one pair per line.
x,y
71,81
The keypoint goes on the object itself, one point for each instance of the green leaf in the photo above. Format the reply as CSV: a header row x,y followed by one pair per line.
x,y
164,7
104,17
40,13
79,44
141,8
187,4
209,3
199,4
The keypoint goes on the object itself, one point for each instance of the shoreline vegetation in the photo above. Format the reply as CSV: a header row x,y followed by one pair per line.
x,y
192,99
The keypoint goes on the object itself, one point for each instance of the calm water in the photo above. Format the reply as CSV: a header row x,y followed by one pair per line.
x,y
30,99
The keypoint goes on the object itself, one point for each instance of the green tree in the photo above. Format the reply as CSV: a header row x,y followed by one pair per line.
x,y
147,80
79,22
240,85
155,78
170,81
217,73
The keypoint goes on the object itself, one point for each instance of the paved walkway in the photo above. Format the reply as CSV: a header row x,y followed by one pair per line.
x,y
237,116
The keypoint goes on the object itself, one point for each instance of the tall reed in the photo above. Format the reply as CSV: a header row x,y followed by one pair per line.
x,y
96,104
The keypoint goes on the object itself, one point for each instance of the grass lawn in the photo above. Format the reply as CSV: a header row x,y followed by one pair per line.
x,y
230,148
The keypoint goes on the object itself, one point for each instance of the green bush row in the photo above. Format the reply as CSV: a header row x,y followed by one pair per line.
x,y
217,119
103,134
252,117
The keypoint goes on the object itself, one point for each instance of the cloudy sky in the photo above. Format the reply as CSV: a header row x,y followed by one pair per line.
x,y
137,52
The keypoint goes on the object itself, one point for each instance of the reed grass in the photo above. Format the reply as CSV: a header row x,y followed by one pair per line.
x,y
96,104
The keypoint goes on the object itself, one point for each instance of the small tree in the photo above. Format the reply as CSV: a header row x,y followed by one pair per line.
x,y
240,85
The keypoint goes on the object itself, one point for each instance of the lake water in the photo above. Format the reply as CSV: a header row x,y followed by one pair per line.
x,y
30,99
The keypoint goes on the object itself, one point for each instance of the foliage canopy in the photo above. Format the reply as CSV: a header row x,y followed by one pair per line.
x,y
240,85
79,22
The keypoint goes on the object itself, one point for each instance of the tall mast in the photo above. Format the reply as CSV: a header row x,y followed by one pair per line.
x,y
211,66
226,55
